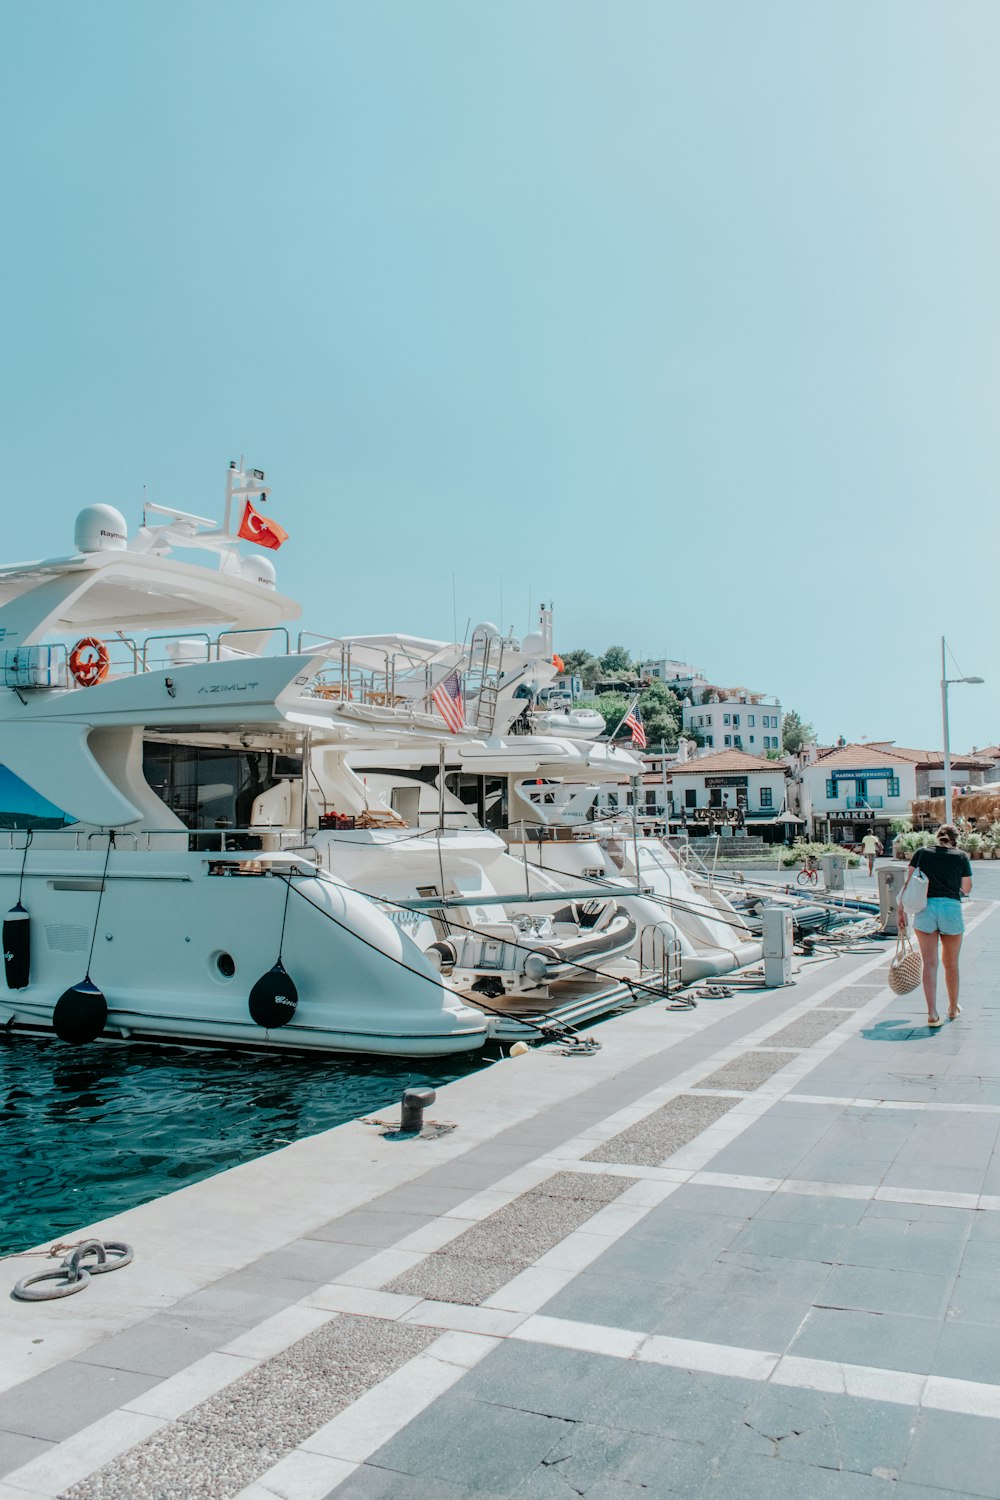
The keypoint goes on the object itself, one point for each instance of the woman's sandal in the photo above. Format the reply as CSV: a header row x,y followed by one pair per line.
x,y
953,1013
934,1021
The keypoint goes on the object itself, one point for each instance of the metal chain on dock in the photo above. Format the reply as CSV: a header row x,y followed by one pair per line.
x,y
72,1275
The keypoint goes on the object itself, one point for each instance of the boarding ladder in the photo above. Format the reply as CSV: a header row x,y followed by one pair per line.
x,y
482,681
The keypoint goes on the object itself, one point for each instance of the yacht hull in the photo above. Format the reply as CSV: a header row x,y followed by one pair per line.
x,y
177,951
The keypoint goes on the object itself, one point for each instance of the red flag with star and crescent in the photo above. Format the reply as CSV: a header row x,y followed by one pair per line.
x,y
257,528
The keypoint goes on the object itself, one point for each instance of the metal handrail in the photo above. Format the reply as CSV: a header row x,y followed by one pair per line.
x,y
281,630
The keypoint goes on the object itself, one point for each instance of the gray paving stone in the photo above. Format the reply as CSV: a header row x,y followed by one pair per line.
x,y
372,1483
364,1227
60,1401
475,1444
16,1448
230,1307
789,1240
650,1141
617,1301
981,1258
747,1072
975,1299
885,1340
590,1454
954,1453
770,1479
312,1261
155,1347
665,1402
751,1322
550,1381
902,1244
828,1431
731,1203
807,1208
881,1291
968,1351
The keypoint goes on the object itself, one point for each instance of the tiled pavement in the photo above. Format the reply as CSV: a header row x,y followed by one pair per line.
x,y
758,1259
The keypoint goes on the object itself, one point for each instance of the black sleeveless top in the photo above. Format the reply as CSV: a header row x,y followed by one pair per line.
x,y
945,869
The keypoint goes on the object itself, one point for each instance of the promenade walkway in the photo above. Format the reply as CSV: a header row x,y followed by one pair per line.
x,y
749,1250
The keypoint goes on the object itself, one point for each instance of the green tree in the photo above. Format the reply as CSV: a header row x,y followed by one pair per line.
x,y
591,673
795,732
657,705
616,661
575,661
661,715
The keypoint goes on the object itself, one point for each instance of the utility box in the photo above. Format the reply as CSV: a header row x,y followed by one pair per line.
x,y
778,938
891,879
833,867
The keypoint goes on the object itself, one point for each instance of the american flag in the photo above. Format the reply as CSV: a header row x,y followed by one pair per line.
x,y
634,721
447,699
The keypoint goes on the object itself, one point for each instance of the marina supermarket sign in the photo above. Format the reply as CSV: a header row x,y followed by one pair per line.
x,y
858,774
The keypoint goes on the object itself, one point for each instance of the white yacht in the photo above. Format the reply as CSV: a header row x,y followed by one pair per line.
x,y
535,792
186,851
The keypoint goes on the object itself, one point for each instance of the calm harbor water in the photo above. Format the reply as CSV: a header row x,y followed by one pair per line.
x,y
87,1131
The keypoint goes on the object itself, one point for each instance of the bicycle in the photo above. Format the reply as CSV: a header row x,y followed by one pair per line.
x,y
808,875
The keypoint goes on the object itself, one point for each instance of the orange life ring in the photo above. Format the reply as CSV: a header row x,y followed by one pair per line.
x,y
89,661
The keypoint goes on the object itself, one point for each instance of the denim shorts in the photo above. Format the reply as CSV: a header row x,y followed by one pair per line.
x,y
941,914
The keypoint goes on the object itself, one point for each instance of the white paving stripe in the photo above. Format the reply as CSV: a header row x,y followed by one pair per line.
x,y
866,1382
917,1104
493,1321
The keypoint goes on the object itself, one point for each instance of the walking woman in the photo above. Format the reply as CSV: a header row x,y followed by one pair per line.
x,y
949,879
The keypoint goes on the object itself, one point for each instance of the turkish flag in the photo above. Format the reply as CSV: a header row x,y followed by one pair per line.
x,y
257,528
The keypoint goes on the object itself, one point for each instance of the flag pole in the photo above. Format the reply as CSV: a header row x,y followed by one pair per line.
x,y
624,716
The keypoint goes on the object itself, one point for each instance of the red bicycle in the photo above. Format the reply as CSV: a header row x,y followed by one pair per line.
x,y
809,874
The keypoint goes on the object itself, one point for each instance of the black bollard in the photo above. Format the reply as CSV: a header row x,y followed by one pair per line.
x,y
415,1101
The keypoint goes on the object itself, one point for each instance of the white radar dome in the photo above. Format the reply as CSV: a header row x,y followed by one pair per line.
x,y
533,644
486,631
100,528
258,570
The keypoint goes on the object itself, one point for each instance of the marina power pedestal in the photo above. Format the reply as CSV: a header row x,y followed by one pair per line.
x,y
833,866
891,879
777,946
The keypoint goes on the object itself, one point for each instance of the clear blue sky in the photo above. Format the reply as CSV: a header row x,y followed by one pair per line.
x,y
686,315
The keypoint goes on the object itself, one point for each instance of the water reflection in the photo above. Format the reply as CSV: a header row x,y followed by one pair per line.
x,y
92,1130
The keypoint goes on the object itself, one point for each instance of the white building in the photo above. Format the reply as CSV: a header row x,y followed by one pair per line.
x,y
729,786
736,720
679,676
854,790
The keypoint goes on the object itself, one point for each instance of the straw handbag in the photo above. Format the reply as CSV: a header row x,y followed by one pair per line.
x,y
906,967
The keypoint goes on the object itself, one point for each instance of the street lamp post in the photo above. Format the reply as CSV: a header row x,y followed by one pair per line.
x,y
945,683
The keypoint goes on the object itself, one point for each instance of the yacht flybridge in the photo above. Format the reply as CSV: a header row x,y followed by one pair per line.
x,y
188,852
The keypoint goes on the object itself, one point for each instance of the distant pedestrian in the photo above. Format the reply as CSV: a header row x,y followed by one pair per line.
x,y
870,846
949,880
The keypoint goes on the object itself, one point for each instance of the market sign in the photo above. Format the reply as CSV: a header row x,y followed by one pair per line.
x,y
726,781
858,774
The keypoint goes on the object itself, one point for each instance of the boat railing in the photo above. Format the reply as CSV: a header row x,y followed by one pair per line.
x,y
660,949
376,678
238,842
